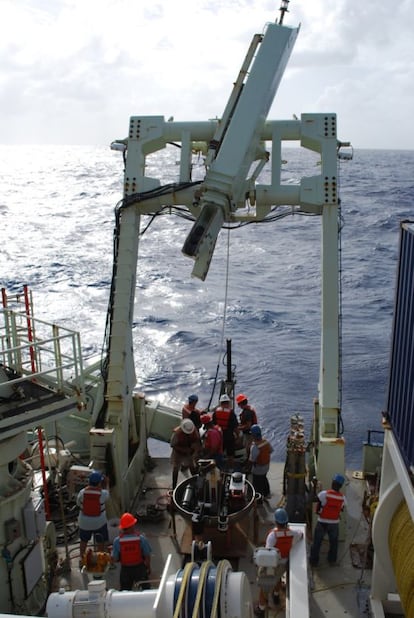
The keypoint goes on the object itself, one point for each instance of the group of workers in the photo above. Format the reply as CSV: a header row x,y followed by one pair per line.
x,y
189,442
330,503
217,435
133,551
130,548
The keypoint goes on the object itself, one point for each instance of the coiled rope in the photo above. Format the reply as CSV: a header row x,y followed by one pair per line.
x,y
186,576
401,545
222,565
198,589
204,571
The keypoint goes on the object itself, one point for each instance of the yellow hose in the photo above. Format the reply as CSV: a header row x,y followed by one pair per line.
x,y
201,583
188,569
401,545
222,565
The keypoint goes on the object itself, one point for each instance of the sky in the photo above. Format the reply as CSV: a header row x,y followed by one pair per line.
x,y
74,71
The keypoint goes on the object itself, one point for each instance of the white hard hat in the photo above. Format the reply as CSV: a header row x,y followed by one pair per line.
x,y
224,398
187,425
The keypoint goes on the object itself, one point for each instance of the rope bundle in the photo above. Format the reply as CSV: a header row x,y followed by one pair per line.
x,y
401,544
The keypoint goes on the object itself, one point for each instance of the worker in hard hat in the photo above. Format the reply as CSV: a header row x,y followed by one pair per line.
x,y
185,444
259,461
190,410
92,518
133,551
283,538
225,418
248,415
212,441
331,503
247,418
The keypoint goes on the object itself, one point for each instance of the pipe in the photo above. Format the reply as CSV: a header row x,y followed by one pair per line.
x,y
42,467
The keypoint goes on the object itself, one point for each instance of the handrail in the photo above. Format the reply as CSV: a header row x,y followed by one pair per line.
x,y
298,592
45,352
371,432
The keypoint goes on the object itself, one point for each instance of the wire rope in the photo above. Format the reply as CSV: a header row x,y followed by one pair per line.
x,y
223,327
226,290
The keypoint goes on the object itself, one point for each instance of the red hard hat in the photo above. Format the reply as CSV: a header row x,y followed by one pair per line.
x,y
127,521
206,418
241,398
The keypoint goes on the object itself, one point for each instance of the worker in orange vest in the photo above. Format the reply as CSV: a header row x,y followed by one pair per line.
x,y
212,441
330,504
133,551
283,538
247,418
185,444
259,462
190,410
92,519
225,418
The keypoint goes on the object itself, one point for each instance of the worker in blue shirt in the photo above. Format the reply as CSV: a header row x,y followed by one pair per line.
x,y
92,520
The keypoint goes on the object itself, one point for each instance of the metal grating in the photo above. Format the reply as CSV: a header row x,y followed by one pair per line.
x,y
400,406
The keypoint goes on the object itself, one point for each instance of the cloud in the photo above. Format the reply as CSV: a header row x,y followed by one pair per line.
x,y
73,71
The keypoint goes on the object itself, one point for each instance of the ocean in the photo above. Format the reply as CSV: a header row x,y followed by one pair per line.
x,y
57,218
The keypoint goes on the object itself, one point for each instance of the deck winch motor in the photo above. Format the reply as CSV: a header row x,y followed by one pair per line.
x,y
204,589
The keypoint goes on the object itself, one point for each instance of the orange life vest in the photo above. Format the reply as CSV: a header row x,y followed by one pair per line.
x,y
222,417
193,414
91,503
284,541
333,506
130,550
263,457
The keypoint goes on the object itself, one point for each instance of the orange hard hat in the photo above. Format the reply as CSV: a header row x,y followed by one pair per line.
x,y
241,398
127,521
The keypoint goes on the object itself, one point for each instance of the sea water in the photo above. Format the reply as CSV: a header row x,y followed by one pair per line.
x,y
262,291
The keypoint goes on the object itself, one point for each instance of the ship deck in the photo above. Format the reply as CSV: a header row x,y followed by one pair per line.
x,y
337,591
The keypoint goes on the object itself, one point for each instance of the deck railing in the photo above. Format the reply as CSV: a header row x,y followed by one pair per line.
x,y
34,349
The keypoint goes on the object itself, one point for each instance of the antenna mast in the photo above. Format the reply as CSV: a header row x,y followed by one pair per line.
x,y
283,9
